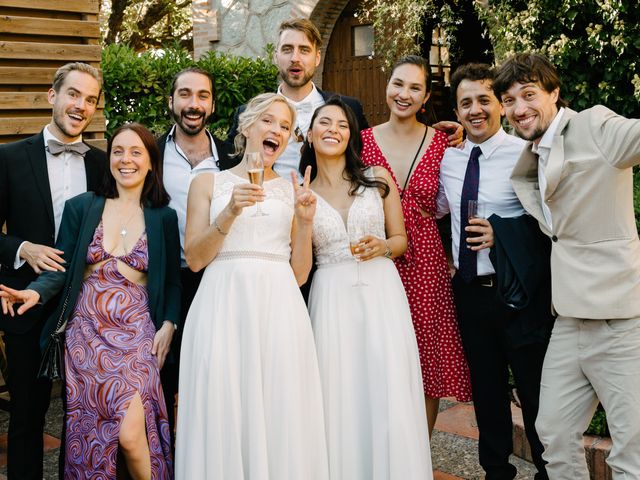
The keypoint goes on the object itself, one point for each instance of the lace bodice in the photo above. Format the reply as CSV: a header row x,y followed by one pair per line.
x,y
262,236
331,238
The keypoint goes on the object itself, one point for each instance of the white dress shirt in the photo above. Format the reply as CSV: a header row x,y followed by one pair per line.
x,y
495,193
177,176
290,158
543,149
67,178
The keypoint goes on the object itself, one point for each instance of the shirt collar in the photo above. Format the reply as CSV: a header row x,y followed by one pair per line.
x,y
314,96
547,139
171,138
489,145
50,136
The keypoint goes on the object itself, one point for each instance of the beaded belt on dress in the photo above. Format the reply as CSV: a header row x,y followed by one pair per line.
x,y
274,257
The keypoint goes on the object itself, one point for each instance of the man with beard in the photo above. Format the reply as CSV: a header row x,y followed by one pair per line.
x,y
188,149
297,57
37,175
575,177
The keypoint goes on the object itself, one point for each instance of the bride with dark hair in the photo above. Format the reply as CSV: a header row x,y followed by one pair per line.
x,y
367,352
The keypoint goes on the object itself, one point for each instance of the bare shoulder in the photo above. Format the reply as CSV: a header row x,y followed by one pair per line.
x,y
202,184
382,173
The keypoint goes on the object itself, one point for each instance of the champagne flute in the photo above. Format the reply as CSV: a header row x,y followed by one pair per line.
x,y
255,169
356,247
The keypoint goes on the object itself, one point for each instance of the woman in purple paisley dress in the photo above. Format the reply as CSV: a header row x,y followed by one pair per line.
x,y
120,301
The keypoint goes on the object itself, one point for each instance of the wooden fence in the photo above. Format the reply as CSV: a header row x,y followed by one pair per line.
x,y
37,37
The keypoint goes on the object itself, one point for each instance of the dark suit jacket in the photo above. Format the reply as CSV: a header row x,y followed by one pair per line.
x,y
521,259
353,103
27,209
225,160
80,219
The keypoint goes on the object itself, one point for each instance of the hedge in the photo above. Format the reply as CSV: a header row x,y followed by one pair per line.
x,y
136,85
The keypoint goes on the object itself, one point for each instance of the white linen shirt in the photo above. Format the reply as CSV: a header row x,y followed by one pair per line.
x,y
290,158
495,193
543,150
177,176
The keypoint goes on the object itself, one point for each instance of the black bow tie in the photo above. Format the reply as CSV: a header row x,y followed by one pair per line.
x,y
55,147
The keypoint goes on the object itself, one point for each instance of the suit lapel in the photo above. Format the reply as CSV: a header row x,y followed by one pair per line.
x,y
524,179
38,159
93,169
155,240
553,171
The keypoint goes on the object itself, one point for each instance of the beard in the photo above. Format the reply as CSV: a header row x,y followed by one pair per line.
x,y
58,119
179,118
531,137
296,82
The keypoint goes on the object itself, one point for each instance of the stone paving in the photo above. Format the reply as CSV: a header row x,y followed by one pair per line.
x,y
453,448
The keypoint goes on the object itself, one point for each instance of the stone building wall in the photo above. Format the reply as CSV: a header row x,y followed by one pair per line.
x,y
245,27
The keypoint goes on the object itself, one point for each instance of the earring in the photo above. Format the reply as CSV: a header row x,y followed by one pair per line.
x,y
424,108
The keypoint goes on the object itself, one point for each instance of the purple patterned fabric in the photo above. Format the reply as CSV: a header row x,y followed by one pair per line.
x,y
107,360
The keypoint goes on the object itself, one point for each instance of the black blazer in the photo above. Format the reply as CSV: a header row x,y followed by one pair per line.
x,y
353,103
225,160
27,209
521,258
80,219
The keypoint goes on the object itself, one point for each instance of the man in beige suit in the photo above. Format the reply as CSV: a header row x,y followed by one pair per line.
x,y
575,178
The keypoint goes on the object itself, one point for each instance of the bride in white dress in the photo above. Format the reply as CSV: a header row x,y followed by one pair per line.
x,y
250,399
369,364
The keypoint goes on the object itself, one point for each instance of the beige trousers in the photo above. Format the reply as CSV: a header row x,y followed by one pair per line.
x,y
587,361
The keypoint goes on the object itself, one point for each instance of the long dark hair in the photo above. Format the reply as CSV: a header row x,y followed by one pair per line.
x,y
428,116
354,169
153,193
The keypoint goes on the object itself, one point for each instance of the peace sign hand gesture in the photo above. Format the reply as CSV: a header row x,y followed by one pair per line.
x,y
303,197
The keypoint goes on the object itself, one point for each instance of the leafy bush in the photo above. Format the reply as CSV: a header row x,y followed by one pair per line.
x,y
136,85
594,44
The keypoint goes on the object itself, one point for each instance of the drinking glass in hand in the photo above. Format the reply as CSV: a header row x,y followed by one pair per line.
x,y
255,169
356,248
474,210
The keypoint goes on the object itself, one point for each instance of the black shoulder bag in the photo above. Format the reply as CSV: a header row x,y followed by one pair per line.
x,y
52,361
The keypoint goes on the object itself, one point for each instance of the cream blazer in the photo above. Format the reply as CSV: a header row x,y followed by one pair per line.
x,y
595,255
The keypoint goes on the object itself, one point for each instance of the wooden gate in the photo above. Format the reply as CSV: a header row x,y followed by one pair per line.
x,y
37,37
348,73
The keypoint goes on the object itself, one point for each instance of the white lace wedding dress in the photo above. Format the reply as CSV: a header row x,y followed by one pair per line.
x,y
250,403
369,364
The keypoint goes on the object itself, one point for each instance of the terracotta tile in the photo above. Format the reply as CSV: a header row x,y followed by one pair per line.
x,y
459,420
438,475
50,442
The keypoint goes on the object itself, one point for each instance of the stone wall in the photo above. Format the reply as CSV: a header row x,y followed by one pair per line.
x,y
245,27
242,27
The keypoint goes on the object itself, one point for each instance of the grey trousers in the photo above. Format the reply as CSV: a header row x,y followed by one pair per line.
x,y
589,361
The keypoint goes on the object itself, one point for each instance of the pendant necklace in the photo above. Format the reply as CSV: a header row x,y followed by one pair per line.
x,y
123,232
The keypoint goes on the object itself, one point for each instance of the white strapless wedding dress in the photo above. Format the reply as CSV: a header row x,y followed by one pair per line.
x,y
250,403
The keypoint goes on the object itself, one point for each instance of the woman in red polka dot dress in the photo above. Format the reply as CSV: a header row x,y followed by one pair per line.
x,y
423,268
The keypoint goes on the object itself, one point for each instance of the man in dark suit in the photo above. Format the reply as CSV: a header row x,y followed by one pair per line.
x,y
495,336
297,56
187,149
37,176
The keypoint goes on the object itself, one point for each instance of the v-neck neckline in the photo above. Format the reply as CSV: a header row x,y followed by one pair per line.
x,y
337,212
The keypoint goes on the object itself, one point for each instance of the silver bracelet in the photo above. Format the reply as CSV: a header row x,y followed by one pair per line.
x,y
215,224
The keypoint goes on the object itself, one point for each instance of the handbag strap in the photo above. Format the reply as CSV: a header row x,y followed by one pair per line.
x,y
415,157
62,323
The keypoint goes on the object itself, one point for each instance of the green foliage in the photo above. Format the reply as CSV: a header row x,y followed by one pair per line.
x,y
595,44
137,85
599,424
399,24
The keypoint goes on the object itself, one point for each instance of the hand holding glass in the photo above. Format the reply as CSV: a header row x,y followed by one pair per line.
x,y
355,246
255,169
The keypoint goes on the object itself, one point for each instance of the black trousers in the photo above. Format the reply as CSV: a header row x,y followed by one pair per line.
x,y
169,374
30,397
482,319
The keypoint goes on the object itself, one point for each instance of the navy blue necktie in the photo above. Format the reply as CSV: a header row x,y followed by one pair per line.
x,y
467,258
